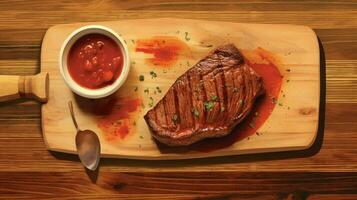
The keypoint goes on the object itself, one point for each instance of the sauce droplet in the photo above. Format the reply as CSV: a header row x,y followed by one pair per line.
x,y
165,50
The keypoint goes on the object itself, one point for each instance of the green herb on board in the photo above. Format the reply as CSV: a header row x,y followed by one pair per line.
x,y
141,137
133,41
158,89
146,91
153,74
280,104
151,102
186,37
141,78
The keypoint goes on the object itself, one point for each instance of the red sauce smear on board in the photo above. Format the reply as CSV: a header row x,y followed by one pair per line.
x,y
115,114
165,50
265,64
95,61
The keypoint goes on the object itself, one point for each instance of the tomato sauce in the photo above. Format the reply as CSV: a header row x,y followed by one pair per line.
x,y
95,61
266,65
165,50
115,117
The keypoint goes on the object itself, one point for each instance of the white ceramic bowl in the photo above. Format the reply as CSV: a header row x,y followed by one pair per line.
x,y
100,92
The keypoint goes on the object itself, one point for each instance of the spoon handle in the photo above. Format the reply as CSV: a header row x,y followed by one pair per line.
x,y
72,115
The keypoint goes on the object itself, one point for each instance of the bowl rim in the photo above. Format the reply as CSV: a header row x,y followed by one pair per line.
x,y
67,45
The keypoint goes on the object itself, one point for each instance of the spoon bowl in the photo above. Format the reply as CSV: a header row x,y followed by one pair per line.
x,y
88,148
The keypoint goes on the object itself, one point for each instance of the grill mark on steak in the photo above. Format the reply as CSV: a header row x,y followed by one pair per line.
x,y
184,103
210,89
223,74
225,101
194,85
160,118
170,108
220,92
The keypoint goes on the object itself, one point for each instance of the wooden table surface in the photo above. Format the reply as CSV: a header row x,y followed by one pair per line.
x,y
326,171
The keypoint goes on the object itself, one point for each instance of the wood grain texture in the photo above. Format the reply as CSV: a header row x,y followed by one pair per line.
x,y
29,171
296,47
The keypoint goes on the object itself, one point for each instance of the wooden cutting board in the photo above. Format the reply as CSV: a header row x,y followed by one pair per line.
x,y
296,48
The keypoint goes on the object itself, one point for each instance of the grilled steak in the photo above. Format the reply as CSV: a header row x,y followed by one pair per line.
x,y
206,101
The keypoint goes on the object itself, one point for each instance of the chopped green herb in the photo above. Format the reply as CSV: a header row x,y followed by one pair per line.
x,y
153,74
141,78
280,104
174,118
240,102
146,91
287,80
223,109
136,88
214,97
251,125
201,83
133,41
142,105
188,63
151,102
141,137
133,62
208,105
186,36
125,41
283,95
235,89
195,112
164,71
158,89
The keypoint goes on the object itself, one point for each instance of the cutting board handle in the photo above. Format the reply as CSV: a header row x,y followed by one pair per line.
x,y
16,87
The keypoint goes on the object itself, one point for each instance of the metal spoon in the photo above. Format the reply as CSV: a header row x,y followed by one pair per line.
x,y
87,143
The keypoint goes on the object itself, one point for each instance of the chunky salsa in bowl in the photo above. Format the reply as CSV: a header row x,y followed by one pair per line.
x,y
94,61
